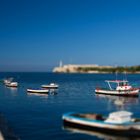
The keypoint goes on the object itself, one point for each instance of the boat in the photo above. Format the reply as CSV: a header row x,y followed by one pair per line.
x,y
117,123
50,86
121,88
12,84
38,90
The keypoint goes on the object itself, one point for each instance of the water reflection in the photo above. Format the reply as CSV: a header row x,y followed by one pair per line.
x,y
119,101
38,94
99,134
53,92
13,90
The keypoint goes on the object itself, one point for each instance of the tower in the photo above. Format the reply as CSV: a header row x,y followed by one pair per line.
x,y
60,64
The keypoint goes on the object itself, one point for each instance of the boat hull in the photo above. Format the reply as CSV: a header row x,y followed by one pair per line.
x,y
89,125
37,91
128,133
49,86
126,93
12,84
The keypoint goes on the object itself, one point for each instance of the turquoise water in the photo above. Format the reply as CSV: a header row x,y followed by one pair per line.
x,y
39,117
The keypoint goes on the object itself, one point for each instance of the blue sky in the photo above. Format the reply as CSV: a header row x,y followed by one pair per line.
x,y
36,34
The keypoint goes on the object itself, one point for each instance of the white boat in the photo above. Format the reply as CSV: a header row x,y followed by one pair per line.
x,y
122,88
117,123
50,86
38,90
12,84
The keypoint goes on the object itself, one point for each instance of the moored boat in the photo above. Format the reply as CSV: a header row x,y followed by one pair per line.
x,y
37,90
122,88
12,84
50,86
118,123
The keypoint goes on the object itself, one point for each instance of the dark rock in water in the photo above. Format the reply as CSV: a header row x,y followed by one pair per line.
x,y
6,132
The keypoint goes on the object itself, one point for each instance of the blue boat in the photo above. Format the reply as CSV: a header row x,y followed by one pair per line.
x,y
118,123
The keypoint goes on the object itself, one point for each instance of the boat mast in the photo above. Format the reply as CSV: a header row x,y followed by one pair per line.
x,y
125,75
116,75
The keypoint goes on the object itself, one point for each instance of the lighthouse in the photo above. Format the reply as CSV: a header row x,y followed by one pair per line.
x,y
60,64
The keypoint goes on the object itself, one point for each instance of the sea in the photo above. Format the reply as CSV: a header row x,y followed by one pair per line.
x,y
39,117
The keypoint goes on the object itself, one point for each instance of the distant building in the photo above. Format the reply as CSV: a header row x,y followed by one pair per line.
x,y
75,68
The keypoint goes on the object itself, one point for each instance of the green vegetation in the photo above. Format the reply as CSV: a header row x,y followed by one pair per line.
x,y
120,69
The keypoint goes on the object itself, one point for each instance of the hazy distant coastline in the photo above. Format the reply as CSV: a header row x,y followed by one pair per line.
x,y
95,69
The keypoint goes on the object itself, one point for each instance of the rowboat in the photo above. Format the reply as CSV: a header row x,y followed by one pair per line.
x,y
118,123
38,90
121,88
50,86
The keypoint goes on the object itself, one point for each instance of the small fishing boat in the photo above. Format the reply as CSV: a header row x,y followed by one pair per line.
x,y
12,84
117,123
121,88
50,86
38,90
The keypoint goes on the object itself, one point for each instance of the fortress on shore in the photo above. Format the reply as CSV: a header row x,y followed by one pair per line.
x,y
86,68
94,68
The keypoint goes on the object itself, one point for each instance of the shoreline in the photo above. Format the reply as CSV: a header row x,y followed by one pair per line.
x,y
95,69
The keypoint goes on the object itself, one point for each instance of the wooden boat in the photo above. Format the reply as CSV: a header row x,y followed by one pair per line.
x,y
38,90
118,123
50,86
122,88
